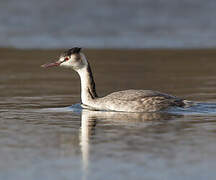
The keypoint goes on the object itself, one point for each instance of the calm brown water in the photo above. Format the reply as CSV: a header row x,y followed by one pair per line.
x,y
43,137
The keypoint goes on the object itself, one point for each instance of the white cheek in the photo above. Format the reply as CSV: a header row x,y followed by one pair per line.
x,y
66,64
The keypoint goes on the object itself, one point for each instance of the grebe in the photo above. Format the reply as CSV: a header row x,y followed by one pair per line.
x,y
125,101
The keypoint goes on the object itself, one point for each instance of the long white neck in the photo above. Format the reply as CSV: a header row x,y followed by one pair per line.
x,y
88,91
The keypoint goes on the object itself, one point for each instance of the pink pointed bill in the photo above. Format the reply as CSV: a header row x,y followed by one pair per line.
x,y
51,64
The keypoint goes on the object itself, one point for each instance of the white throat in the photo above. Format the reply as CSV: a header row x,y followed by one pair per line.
x,y
88,92
83,73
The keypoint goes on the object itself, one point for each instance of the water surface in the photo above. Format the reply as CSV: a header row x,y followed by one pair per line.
x,y
45,135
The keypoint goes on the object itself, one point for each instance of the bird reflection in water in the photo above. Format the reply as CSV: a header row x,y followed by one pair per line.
x,y
89,120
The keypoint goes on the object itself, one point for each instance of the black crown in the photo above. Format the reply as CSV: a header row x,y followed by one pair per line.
x,y
74,50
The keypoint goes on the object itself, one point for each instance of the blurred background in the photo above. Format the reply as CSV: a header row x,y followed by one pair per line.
x,y
163,45
108,23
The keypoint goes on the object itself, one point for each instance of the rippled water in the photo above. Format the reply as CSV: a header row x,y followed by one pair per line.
x,y
44,134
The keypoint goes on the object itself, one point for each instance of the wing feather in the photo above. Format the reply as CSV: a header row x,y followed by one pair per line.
x,y
133,95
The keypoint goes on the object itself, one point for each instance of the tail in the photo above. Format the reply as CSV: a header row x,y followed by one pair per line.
x,y
187,103
182,103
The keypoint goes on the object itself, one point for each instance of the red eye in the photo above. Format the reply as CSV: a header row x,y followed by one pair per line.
x,y
66,59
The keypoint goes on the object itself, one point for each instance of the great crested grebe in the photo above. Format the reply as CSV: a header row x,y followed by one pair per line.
x,y
126,101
